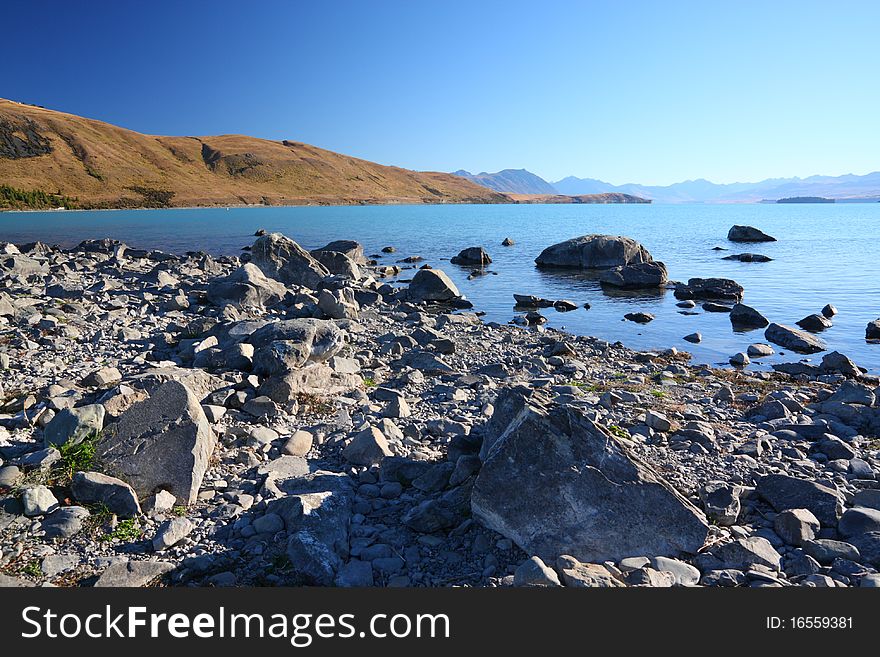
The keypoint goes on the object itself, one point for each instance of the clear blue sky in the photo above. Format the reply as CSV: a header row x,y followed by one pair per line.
x,y
649,92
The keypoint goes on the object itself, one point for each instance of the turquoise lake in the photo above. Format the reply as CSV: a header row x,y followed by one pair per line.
x,y
825,253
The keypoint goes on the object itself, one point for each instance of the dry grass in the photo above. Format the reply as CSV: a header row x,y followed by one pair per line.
x,y
104,165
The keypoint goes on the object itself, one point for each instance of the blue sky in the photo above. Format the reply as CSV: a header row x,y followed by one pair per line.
x,y
649,92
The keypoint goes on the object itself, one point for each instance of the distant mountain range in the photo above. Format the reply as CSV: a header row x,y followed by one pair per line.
x,y
515,181
843,188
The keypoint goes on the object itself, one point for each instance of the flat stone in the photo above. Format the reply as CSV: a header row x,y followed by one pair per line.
x,y
97,488
132,574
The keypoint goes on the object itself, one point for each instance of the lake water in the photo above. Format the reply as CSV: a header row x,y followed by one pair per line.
x,y
826,253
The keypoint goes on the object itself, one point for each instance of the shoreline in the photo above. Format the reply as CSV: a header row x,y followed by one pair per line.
x,y
309,375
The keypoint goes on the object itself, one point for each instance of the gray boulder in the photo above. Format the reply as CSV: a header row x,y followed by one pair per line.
x,y
338,264
247,286
338,304
835,362
748,234
164,442
594,252
316,511
637,276
293,343
368,447
73,425
783,493
859,520
556,483
796,526
281,258
352,250
97,488
171,532
432,285
793,339
872,331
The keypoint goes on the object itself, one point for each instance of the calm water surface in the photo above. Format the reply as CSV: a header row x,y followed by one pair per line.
x,y
826,253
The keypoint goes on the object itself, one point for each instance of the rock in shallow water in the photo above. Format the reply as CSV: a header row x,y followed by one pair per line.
x,y
793,339
594,252
432,285
723,289
748,234
637,276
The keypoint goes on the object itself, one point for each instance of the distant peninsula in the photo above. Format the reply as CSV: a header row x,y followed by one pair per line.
x,y
609,197
805,199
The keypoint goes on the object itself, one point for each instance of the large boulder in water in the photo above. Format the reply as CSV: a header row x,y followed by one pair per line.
x,y
432,285
638,276
554,482
594,252
748,234
872,331
799,341
710,288
164,442
281,258
247,286
473,256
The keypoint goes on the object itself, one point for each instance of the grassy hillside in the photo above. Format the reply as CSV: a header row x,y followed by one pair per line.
x,y
102,165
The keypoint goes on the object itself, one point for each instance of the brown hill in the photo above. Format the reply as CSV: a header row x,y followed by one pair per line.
x,y
102,165
608,197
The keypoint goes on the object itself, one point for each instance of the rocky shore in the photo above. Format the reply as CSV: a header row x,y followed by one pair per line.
x,y
292,417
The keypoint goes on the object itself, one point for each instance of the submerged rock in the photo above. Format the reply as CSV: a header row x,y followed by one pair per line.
x,y
748,257
723,289
639,318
